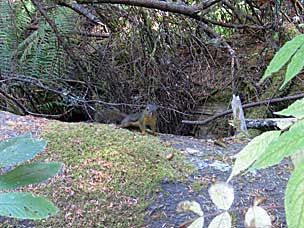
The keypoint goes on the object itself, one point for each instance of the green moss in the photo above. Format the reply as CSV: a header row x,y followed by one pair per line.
x,y
198,186
108,174
234,219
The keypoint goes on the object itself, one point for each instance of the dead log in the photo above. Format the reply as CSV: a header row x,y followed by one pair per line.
x,y
270,123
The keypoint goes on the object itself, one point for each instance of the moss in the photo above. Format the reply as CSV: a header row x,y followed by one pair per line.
x,y
108,174
234,219
198,185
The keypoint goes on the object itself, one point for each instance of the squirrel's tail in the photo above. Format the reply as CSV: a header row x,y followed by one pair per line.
x,y
109,115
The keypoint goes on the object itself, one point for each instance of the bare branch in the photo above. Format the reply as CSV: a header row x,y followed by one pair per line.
x,y
27,112
85,12
251,105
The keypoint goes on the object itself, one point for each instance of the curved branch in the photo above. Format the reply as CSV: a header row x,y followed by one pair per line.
x,y
25,111
153,4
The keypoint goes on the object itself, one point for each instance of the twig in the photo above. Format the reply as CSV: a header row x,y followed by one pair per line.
x,y
85,12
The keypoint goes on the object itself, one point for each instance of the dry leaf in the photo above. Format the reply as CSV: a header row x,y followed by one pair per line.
x,y
193,206
170,156
257,217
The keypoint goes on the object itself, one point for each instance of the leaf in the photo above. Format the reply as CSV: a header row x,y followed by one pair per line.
x,y
295,66
19,149
29,174
294,198
285,124
221,220
283,55
222,195
257,217
297,158
259,200
192,206
287,144
255,148
198,223
25,205
296,109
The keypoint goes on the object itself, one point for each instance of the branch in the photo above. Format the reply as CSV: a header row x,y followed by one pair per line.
x,y
183,9
85,12
191,11
254,104
25,111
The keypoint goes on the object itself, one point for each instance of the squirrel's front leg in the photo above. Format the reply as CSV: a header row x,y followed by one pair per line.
x,y
142,129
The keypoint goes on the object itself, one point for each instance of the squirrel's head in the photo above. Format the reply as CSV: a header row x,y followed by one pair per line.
x,y
151,109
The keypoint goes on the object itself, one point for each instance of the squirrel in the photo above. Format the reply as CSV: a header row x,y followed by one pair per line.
x,y
109,115
147,117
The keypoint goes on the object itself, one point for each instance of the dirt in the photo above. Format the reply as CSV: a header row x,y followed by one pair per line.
x,y
213,163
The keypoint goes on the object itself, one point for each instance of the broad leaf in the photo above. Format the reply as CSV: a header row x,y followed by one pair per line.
x,y
25,205
286,124
294,198
297,158
255,148
193,206
296,109
283,55
19,149
295,66
222,195
257,217
198,223
287,144
29,174
222,220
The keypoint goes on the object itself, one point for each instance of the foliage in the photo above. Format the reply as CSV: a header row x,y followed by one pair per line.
x,y
272,147
222,195
32,52
165,58
29,50
24,205
292,52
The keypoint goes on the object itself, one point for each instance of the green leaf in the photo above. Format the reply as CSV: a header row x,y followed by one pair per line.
x,y
294,198
24,205
29,174
287,144
296,109
283,55
222,195
198,223
221,220
255,148
295,66
19,149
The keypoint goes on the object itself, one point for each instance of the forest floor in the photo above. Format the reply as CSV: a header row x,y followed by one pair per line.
x,y
211,163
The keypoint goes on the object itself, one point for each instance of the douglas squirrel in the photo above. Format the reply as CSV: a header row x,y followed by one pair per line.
x,y
147,117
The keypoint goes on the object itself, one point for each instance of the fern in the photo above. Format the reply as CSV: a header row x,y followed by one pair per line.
x,y
38,54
